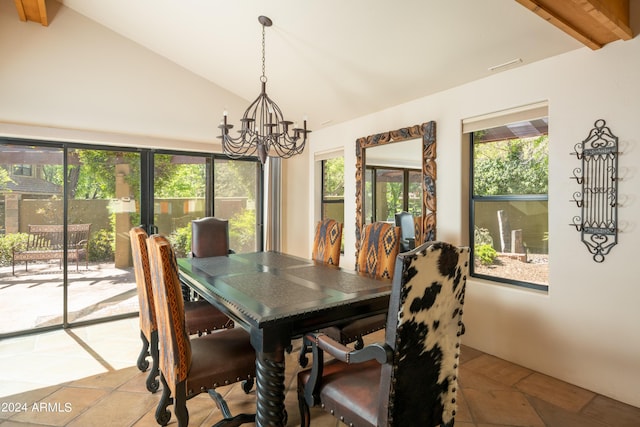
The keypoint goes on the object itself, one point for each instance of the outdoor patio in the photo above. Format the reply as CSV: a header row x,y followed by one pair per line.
x,y
34,298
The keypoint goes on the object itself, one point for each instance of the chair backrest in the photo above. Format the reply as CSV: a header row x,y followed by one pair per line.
x,y
175,356
417,226
209,237
138,238
404,220
424,326
379,247
327,241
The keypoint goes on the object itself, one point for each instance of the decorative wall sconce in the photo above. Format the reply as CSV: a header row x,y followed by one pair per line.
x,y
598,199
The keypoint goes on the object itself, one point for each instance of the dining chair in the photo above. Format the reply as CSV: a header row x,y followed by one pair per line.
x,y
188,366
411,378
201,317
210,237
405,221
380,245
327,242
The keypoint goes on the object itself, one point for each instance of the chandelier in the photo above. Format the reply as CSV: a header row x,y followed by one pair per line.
x,y
264,130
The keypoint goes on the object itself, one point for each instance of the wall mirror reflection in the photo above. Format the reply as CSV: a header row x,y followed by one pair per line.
x,y
395,174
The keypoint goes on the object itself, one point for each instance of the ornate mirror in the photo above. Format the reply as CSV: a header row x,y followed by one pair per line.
x,y
426,133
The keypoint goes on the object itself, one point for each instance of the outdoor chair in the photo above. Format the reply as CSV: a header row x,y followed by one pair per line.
x,y
411,378
379,248
201,317
189,367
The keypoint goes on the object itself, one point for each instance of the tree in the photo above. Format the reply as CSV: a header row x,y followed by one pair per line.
x,y
516,166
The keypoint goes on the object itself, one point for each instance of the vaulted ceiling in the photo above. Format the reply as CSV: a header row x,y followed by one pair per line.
x,y
334,60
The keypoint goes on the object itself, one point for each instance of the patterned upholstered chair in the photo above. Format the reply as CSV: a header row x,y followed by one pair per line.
x,y
379,248
189,367
201,317
411,378
327,242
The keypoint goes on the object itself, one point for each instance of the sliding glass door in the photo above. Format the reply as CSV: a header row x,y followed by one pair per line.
x,y
65,214
31,274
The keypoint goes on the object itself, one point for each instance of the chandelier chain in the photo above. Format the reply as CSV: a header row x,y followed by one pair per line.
x,y
264,76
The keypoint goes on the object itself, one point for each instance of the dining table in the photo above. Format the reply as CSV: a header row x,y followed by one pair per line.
x,y
277,298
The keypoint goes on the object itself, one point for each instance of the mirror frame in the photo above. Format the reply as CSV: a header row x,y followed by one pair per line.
x,y
426,131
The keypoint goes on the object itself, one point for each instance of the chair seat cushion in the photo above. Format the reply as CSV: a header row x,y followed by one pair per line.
x,y
202,317
349,332
348,387
220,358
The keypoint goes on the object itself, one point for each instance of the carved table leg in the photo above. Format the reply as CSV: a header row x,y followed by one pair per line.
x,y
270,389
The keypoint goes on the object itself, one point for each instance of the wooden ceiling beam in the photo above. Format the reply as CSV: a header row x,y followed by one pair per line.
x,y
32,10
592,22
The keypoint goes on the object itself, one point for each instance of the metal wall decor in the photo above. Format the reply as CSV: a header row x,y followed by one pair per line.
x,y
598,199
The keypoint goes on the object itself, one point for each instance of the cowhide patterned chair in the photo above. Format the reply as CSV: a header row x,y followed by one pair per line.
x,y
411,378
379,248
189,367
327,242
201,317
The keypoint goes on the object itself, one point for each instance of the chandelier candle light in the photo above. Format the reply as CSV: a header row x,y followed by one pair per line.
x,y
264,130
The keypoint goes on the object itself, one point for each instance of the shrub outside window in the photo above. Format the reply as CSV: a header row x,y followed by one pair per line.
x,y
509,203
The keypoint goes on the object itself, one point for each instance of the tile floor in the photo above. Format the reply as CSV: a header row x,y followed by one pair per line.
x,y
86,377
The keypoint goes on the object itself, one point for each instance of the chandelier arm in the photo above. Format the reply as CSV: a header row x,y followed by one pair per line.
x,y
264,130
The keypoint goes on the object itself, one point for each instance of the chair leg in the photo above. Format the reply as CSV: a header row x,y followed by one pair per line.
x,y
180,404
162,414
143,363
305,416
229,420
152,379
359,345
303,360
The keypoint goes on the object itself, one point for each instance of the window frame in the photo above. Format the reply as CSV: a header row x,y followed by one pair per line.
x,y
473,200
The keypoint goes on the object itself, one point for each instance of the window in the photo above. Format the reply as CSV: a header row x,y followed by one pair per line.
x,y
333,189
395,190
22,170
509,202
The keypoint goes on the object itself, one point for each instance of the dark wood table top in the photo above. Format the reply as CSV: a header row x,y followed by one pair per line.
x,y
283,294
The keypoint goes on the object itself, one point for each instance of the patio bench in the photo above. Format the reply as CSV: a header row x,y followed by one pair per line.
x,y
46,242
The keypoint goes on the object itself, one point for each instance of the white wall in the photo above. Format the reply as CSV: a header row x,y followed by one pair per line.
x,y
586,330
77,81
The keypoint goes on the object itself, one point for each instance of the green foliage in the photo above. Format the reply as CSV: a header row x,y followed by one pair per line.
x,y
517,166
181,240
178,180
8,242
333,184
235,179
4,178
481,236
242,231
102,246
485,254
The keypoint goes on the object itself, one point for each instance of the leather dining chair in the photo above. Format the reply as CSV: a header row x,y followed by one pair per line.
x,y
210,237
405,221
411,378
188,366
201,317
327,242
379,248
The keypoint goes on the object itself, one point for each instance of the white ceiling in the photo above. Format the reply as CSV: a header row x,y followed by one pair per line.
x,y
334,60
